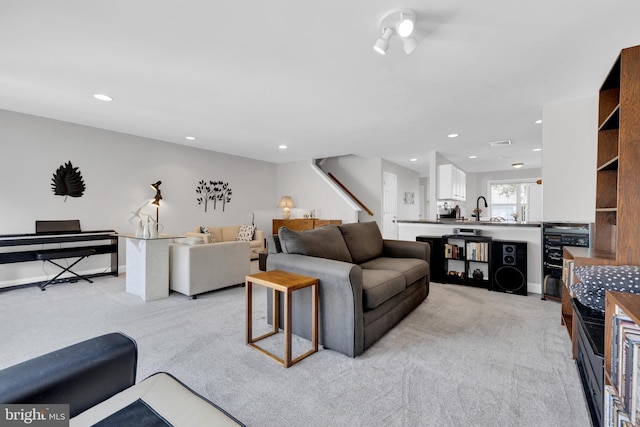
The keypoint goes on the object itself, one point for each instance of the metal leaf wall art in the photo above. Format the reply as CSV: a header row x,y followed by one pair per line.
x,y
67,181
215,191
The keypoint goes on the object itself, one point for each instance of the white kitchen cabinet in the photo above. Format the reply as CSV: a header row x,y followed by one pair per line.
x,y
452,183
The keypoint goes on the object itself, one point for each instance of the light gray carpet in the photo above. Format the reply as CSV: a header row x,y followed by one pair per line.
x,y
466,356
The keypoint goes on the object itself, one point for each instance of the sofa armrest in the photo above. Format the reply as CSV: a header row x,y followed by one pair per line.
x,y
406,249
341,319
81,375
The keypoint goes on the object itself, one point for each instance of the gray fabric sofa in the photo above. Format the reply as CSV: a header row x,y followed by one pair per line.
x,y
367,284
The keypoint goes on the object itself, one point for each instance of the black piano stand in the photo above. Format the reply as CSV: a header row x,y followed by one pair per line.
x,y
51,254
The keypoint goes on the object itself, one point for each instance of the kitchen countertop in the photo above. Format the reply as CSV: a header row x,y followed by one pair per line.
x,y
468,223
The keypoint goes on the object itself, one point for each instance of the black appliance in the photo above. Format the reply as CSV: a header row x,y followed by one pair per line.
x,y
590,357
436,263
509,259
555,236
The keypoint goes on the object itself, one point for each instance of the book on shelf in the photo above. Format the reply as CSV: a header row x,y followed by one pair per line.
x,y
622,399
618,322
452,251
635,387
478,251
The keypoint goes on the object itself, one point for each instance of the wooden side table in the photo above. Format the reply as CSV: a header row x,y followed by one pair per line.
x,y
287,283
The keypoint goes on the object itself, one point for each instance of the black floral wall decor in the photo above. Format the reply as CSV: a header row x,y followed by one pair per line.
x,y
215,191
67,181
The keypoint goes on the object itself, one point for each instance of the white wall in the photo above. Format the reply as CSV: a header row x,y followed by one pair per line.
x,y
309,191
569,141
363,177
435,160
117,170
408,181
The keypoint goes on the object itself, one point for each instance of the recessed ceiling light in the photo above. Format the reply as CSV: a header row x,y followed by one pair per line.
x,y
282,147
500,143
102,97
413,160
453,135
538,121
537,149
517,165
473,157
190,138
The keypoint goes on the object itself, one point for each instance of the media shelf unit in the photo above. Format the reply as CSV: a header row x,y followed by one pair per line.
x,y
465,254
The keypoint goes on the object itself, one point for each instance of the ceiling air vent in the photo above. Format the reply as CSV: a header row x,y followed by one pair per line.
x,y
500,143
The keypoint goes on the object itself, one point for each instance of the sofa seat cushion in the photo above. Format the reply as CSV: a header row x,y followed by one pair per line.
x,y
363,239
413,269
380,285
322,242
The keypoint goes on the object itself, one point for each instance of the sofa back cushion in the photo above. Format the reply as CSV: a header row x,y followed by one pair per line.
x,y
229,233
363,239
322,242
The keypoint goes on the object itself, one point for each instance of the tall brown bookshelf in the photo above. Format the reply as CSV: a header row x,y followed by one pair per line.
x,y
617,186
617,213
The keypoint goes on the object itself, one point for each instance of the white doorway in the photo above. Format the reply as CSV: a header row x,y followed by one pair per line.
x,y
390,205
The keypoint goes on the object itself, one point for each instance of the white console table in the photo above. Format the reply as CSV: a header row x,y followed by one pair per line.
x,y
148,266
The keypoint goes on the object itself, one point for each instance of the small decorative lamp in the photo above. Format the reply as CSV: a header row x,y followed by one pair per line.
x,y
285,203
156,199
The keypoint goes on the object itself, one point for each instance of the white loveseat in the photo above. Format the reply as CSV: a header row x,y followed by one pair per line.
x,y
229,233
195,268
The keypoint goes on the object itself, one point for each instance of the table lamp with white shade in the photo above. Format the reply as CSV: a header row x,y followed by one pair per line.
x,y
285,203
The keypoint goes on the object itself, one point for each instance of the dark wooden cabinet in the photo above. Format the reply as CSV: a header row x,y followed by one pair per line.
x,y
302,224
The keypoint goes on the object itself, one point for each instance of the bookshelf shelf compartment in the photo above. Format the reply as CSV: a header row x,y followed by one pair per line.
x,y
464,255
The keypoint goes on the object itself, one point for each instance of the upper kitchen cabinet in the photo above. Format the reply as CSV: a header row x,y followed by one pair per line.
x,y
452,183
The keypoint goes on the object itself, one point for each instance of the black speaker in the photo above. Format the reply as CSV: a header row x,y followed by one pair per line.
x,y
509,261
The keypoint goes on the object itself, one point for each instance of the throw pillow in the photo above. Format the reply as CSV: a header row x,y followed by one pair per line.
x,y
596,279
245,233
322,242
363,239
204,230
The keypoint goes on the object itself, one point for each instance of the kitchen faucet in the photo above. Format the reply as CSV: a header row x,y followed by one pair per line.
x,y
478,206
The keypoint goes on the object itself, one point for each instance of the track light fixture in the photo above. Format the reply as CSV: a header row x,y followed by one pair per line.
x,y
409,44
382,44
400,22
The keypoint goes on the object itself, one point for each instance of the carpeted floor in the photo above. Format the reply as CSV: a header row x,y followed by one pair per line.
x,y
465,357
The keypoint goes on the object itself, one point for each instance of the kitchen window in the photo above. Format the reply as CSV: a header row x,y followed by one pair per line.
x,y
515,201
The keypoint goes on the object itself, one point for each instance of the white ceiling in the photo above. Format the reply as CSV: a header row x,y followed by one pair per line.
x,y
247,76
